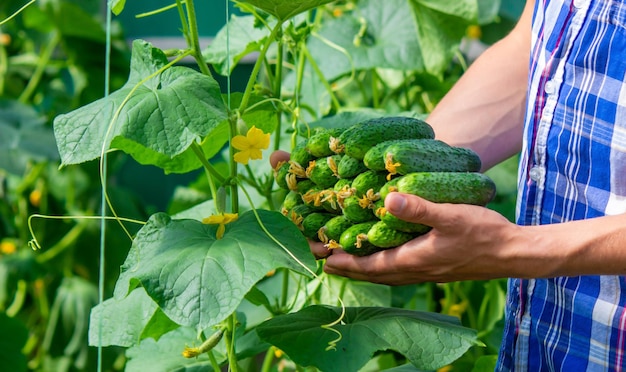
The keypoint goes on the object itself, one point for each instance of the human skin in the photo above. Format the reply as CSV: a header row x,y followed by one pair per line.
x,y
471,242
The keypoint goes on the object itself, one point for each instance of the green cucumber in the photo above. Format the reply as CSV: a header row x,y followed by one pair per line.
x,y
429,155
318,143
374,158
300,155
355,211
333,228
350,167
291,200
299,212
382,236
280,175
388,187
449,187
323,171
368,180
359,138
313,222
354,240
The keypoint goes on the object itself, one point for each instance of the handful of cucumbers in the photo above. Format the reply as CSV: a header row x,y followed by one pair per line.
x,y
338,180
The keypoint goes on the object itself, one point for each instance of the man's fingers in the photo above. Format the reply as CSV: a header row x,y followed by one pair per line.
x,y
278,156
414,209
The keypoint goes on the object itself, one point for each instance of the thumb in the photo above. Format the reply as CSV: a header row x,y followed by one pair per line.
x,y
415,209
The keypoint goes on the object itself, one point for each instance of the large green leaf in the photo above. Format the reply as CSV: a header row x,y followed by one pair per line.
x,y
388,39
285,9
440,27
165,354
428,340
164,114
382,35
238,38
199,280
122,322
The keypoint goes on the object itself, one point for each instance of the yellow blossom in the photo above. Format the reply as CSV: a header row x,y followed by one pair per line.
x,y
35,198
250,145
221,220
7,247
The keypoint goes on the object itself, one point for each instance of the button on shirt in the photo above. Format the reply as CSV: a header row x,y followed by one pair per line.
x,y
573,166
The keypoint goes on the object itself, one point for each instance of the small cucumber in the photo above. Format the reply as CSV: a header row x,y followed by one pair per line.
x,y
368,180
359,138
356,210
300,155
313,222
280,175
333,228
318,143
350,167
429,155
449,187
354,240
382,236
299,212
374,158
323,171
291,200
388,187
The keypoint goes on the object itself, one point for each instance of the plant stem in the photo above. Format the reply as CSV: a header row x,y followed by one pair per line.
x,y
214,363
375,93
183,22
18,300
46,54
257,67
193,35
211,171
4,66
285,289
329,88
268,359
230,342
278,77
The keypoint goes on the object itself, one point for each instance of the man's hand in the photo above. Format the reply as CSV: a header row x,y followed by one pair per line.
x,y
467,242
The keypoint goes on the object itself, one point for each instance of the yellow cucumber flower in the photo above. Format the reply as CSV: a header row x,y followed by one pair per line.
x,y
250,145
220,219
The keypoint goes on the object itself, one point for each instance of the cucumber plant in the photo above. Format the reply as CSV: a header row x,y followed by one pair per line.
x,y
232,278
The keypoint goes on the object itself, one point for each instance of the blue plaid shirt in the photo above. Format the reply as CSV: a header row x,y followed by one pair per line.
x,y
573,167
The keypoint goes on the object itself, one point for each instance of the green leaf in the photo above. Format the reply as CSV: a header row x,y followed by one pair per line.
x,y
166,353
285,9
238,38
428,340
117,6
488,10
388,39
199,280
163,114
24,137
440,27
11,356
123,322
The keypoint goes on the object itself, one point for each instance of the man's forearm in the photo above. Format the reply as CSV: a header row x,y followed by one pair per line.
x,y
484,111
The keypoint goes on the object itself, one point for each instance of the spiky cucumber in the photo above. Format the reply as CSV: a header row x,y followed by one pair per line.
x,y
354,240
429,155
359,138
383,236
449,187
